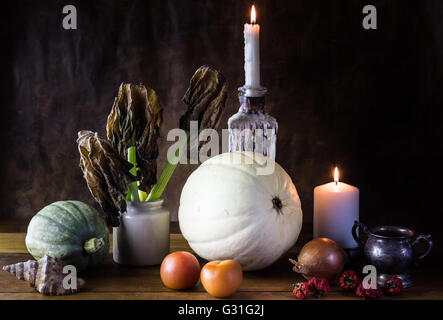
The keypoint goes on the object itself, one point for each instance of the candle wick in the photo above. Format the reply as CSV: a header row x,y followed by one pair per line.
x,y
336,182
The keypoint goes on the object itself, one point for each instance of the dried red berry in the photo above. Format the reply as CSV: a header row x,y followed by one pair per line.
x,y
368,293
349,280
319,286
301,290
393,286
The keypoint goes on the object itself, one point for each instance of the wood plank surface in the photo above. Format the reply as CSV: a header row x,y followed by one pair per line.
x,y
15,243
113,281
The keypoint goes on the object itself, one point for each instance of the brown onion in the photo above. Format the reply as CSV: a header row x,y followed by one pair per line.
x,y
321,257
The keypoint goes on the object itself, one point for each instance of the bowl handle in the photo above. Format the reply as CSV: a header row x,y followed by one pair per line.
x,y
428,239
363,228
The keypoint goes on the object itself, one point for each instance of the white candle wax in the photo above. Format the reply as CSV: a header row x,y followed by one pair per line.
x,y
335,210
252,55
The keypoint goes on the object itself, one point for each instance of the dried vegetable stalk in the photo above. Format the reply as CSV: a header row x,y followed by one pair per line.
x,y
133,124
205,98
106,173
135,121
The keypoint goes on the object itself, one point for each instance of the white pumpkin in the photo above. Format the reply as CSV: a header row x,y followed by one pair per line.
x,y
228,211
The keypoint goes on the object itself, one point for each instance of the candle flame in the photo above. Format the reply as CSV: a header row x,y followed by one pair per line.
x,y
253,15
336,175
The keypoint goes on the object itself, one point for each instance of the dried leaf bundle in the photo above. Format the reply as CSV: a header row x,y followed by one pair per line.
x,y
205,98
135,120
106,173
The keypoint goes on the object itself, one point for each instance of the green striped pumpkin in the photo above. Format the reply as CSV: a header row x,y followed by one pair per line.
x,y
71,231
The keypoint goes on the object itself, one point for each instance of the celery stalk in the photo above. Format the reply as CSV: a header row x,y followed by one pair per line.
x,y
168,170
132,194
142,195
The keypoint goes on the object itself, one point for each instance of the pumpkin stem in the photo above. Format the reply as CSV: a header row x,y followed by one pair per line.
x,y
277,204
93,245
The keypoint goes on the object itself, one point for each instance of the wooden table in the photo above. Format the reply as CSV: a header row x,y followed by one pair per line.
x,y
112,281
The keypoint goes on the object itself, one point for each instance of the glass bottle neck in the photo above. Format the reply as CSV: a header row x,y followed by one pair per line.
x,y
252,100
252,104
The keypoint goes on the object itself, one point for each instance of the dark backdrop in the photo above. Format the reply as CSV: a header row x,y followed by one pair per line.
x,y
368,101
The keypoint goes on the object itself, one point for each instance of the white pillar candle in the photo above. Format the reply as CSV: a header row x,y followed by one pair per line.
x,y
336,207
252,52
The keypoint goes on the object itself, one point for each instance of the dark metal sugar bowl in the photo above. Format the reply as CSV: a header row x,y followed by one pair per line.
x,y
392,250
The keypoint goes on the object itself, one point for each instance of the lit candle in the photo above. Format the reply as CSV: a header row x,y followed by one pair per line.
x,y
252,52
335,210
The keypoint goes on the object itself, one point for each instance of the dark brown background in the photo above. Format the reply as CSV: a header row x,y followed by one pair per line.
x,y
368,101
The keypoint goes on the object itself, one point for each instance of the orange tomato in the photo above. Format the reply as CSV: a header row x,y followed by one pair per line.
x,y
180,270
221,278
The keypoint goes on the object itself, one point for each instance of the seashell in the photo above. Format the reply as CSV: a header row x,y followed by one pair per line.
x,y
24,270
49,278
46,275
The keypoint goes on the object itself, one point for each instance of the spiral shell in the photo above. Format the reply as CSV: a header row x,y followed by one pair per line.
x,y
24,270
46,275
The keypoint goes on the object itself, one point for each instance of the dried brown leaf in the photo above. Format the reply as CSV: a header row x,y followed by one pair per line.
x,y
106,173
205,98
135,120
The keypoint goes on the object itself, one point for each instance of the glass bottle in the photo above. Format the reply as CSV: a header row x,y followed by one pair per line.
x,y
251,128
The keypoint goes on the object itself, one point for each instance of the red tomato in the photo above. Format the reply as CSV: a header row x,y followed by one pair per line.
x,y
221,278
180,270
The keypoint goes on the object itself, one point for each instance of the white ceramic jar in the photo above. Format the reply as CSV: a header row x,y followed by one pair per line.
x,y
142,239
